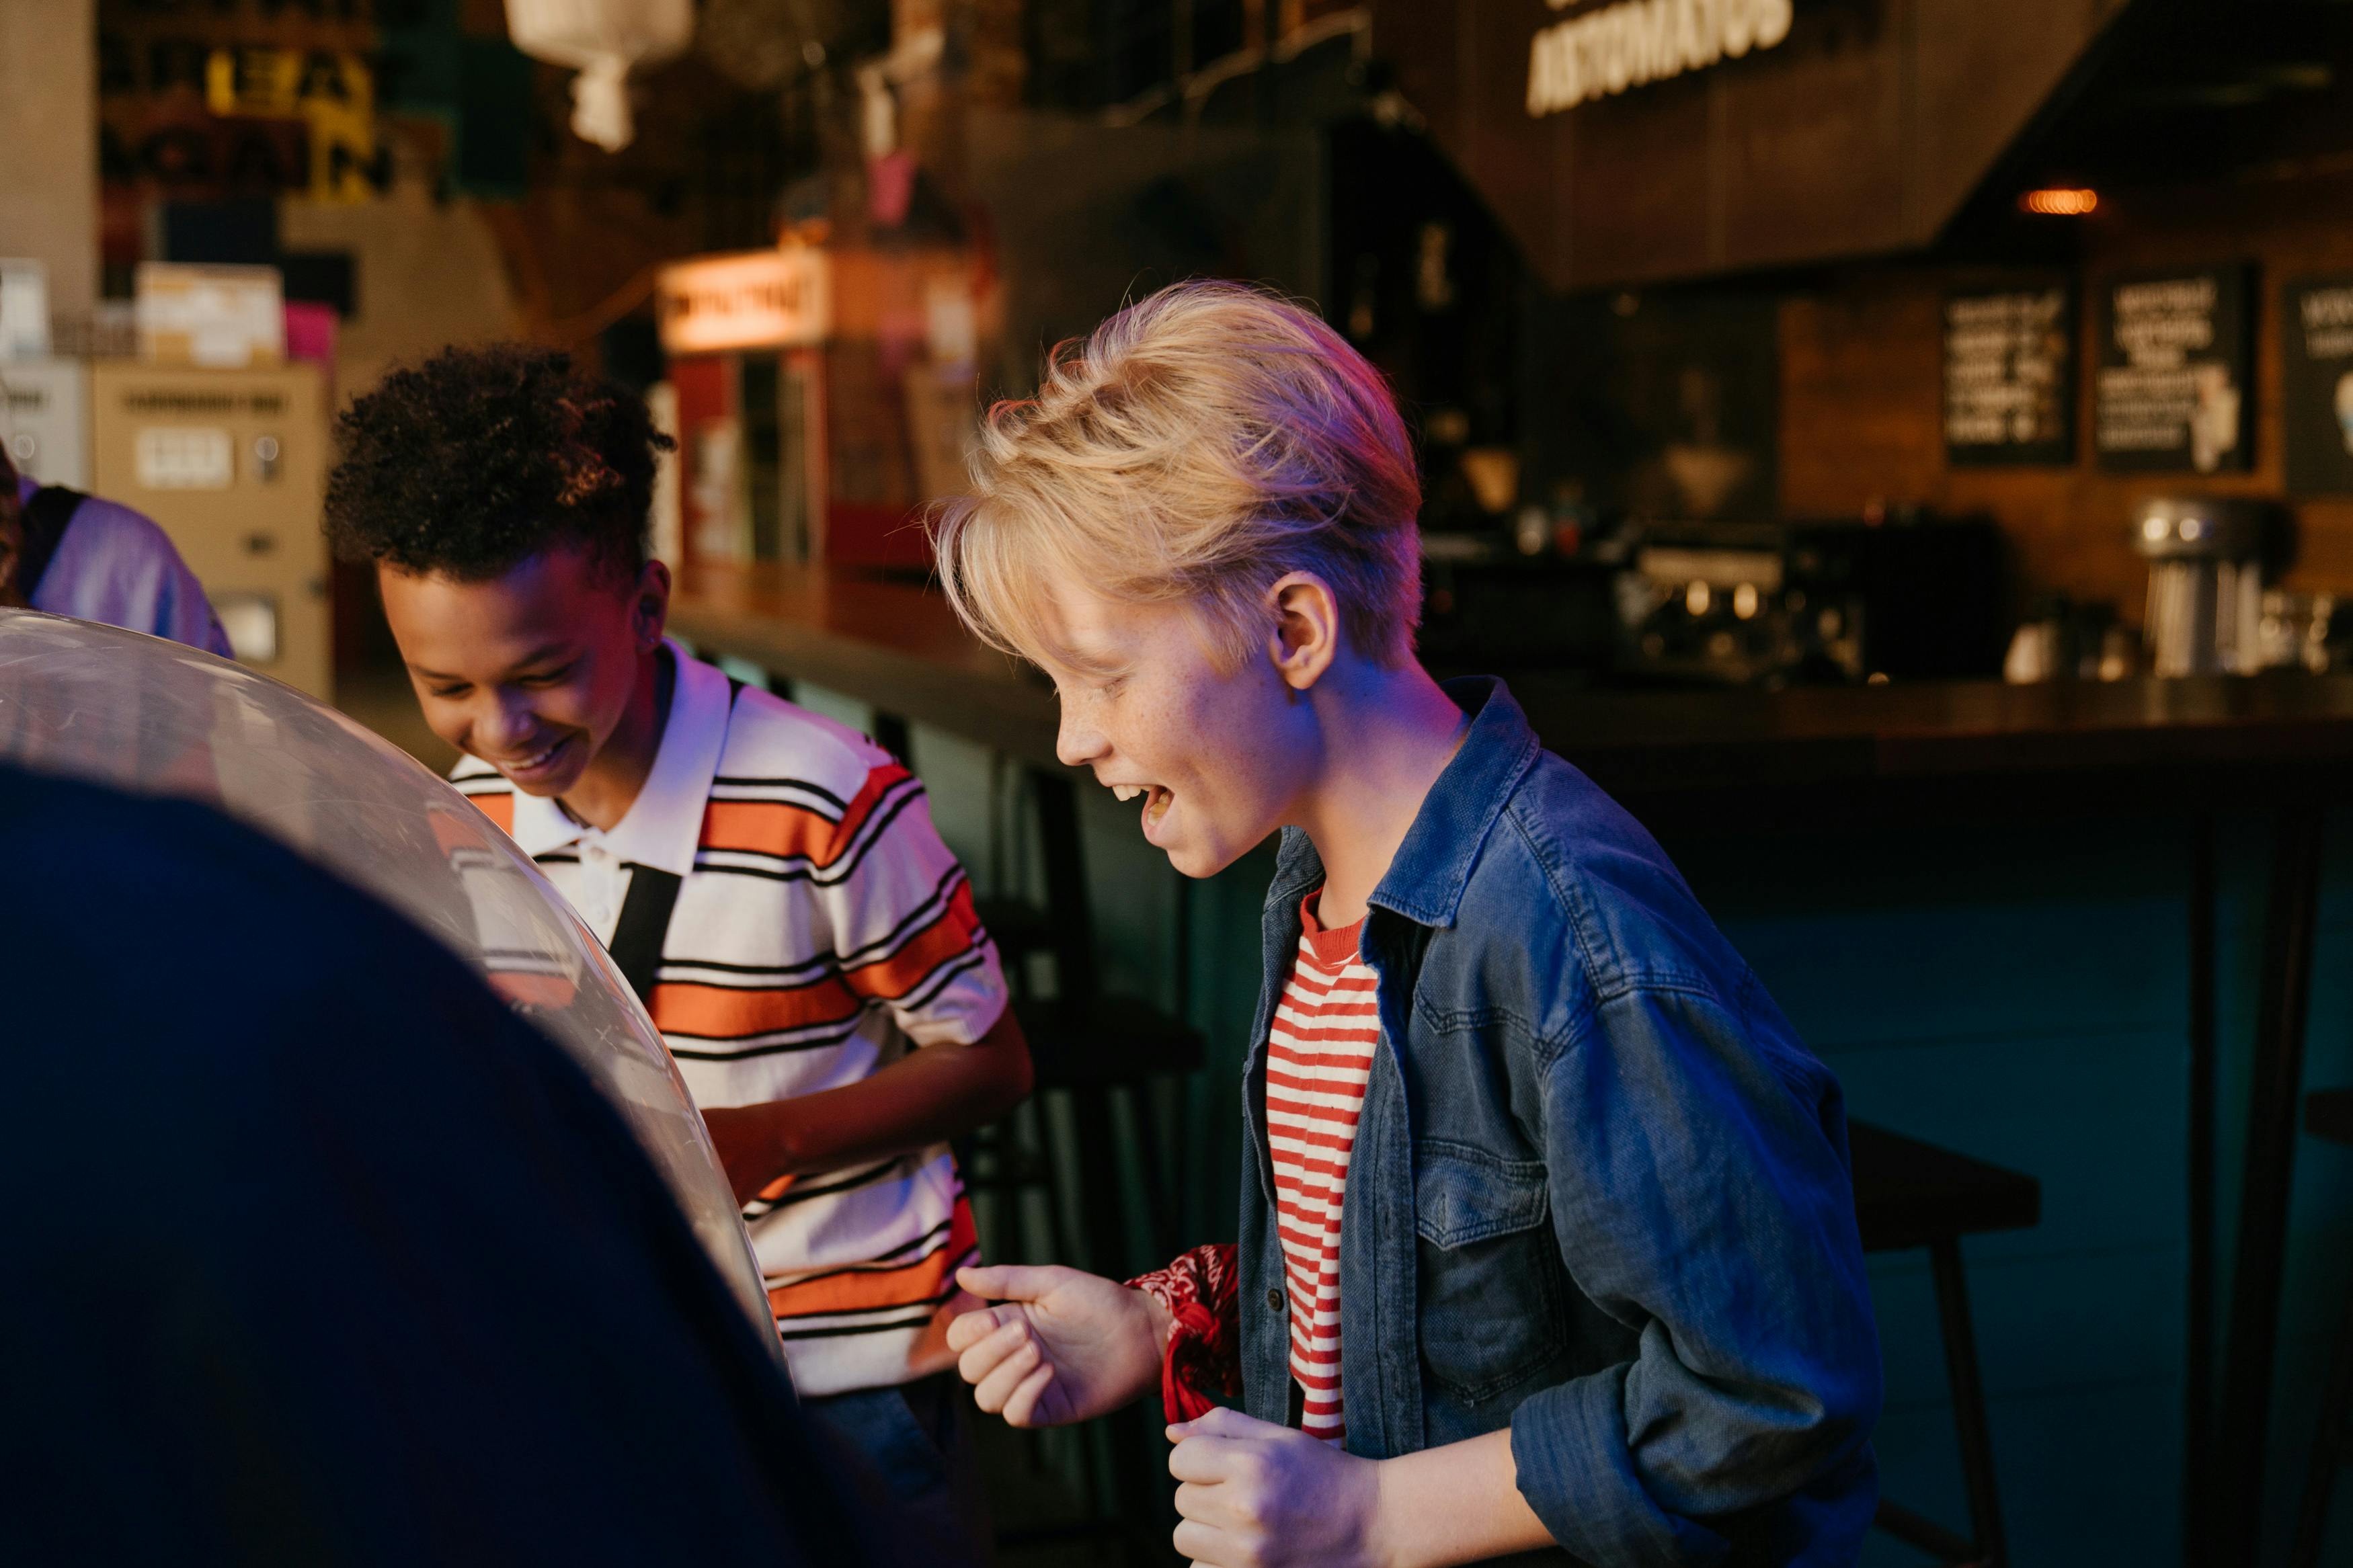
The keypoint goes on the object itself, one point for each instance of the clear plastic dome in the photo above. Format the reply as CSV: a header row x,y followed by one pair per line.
x,y
156,718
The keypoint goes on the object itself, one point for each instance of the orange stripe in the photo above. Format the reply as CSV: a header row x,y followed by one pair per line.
x,y
871,1289
765,828
773,828
454,832
498,808
890,978
719,1012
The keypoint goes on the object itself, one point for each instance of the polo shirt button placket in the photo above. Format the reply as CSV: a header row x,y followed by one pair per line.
x,y
596,861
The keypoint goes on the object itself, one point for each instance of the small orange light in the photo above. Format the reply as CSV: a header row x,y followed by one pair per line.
x,y
2059,202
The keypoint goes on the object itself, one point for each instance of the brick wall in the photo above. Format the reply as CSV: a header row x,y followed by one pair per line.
x,y
1861,365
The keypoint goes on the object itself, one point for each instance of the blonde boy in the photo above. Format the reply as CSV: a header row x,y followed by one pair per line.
x,y
1548,1239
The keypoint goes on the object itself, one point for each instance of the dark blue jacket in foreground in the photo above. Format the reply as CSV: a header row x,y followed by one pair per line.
x,y
1599,1192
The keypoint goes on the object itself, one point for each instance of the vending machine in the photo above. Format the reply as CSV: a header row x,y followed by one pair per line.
x,y
46,422
232,464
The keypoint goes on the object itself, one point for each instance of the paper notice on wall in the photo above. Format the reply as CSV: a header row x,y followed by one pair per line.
x,y
24,309
183,458
218,316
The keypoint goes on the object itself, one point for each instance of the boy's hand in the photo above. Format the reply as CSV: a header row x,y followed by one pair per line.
x,y
1062,1346
1259,1496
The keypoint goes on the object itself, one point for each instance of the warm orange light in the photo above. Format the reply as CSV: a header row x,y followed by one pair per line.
x,y
2059,202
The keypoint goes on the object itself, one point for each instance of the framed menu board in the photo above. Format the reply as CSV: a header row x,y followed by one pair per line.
x,y
2174,387
2009,375
2317,383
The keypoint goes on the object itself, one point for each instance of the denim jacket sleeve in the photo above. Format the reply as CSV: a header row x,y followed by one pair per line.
x,y
1701,1196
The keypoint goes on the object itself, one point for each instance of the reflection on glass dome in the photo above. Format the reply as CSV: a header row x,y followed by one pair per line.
x,y
155,717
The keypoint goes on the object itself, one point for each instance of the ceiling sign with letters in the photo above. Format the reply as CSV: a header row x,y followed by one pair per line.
x,y
1631,43
748,299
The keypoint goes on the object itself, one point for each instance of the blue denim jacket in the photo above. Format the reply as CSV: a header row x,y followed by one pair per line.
x,y
1600,1191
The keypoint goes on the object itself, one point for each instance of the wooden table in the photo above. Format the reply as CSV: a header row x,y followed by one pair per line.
x,y
1812,756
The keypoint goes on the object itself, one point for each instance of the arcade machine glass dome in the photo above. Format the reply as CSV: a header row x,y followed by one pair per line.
x,y
156,718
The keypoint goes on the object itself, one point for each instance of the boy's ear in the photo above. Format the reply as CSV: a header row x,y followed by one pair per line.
x,y
1307,637
649,606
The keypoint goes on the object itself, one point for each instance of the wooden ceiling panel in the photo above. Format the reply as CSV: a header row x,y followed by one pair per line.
x,y
1863,131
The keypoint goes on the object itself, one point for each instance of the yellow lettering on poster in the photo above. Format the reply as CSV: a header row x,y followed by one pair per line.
x,y
333,94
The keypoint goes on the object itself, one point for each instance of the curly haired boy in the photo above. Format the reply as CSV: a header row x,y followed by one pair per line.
x,y
769,882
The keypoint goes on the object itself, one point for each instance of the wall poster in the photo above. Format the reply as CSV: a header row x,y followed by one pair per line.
x,y
2317,383
2009,375
2175,381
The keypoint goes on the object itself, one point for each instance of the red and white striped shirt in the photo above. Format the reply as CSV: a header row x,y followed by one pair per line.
x,y
1319,1056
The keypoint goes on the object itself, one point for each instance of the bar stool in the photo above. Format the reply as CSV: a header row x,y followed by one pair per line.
x,y
2328,1114
1912,1194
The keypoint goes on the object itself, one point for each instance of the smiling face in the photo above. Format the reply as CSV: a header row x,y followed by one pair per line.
x,y
1219,759
533,671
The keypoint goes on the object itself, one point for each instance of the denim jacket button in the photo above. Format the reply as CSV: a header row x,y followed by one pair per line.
x,y
1273,1299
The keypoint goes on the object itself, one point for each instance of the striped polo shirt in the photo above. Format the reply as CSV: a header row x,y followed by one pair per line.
x,y
821,930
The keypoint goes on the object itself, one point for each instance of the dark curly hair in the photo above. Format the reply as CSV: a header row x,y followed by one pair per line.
x,y
463,466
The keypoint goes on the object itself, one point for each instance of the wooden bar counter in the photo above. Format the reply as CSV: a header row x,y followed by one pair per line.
x,y
896,645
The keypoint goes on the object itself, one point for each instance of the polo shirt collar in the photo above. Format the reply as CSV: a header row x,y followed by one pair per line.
x,y
664,823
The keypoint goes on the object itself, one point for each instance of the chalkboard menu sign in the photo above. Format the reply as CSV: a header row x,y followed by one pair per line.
x,y
2174,387
2010,375
2316,384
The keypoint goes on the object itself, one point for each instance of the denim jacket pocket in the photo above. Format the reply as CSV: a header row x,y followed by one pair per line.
x,y
1491,1287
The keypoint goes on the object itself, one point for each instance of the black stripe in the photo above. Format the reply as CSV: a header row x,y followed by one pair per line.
x,y
928,914
750,1053
898,936
850,1183
881,1258
974,956
870,831
946,1294
876,1266
920,994
817,967
817,790
922,1319
746,795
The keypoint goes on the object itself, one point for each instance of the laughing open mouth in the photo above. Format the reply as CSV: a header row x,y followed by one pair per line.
x,y
1156,800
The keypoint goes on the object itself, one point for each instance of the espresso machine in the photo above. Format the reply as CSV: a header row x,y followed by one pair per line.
x,y
1848,600
2208,557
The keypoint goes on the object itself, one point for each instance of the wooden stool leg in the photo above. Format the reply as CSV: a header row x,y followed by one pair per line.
x,y
2332,1446
1969,1403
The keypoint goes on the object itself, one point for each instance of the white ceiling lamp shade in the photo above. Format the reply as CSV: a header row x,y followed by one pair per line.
x,y
603,40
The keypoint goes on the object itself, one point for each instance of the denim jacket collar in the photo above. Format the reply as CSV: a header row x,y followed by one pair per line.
x,y
1425,880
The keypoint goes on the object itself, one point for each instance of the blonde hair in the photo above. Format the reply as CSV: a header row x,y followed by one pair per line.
x,y
1193,448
